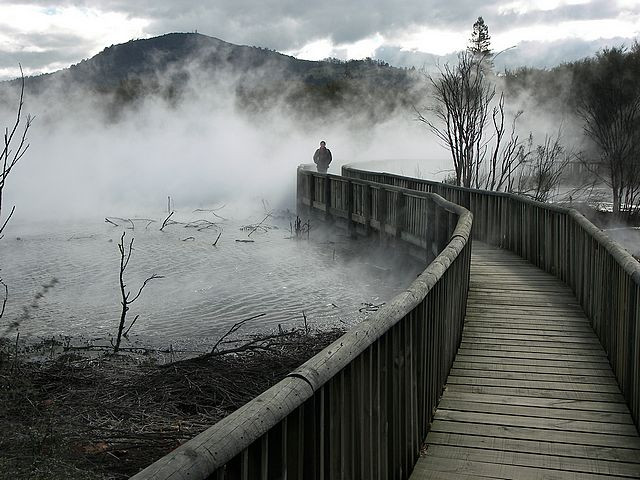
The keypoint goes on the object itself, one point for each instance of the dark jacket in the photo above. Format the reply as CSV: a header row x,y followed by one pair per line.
x,y
322,157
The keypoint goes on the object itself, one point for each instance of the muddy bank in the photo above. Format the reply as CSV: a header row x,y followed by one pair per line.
x,y
103,416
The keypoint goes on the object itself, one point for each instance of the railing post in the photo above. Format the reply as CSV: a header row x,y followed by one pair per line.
x,y
366,208
300,191
400,214
442,226
431,222
350,229
312,192
382,210
327,197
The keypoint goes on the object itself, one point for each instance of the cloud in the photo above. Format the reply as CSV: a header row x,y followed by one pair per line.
x,y
534,54
80,28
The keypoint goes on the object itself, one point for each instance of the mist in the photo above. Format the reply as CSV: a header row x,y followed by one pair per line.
x,y
201,150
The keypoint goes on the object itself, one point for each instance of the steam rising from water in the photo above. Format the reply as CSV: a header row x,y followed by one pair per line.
x,y
85,162
205,289
83,166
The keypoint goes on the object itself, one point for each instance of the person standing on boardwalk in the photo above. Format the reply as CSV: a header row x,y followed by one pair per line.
x,y
322,157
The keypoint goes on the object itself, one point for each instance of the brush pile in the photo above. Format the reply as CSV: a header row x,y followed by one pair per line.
x,y
109,416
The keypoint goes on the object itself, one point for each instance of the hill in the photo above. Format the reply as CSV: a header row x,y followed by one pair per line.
x,y
262,78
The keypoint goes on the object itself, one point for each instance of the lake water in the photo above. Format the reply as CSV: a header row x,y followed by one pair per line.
x,y
205,289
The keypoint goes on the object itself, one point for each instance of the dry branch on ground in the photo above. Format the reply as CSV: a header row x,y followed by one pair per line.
x,y
82,417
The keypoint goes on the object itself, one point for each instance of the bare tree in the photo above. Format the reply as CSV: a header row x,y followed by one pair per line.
x,y
541,172
609,105
507,155
14,147
125,256
462,103
485,153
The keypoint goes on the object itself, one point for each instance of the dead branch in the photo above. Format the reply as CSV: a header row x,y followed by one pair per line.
x,y
132,323
10,157
106,219
164,224
125,256
235,328
212,211
6,297
258,225
216,242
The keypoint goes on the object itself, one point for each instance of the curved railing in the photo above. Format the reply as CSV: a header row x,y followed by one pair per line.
x,y
604,276
361,407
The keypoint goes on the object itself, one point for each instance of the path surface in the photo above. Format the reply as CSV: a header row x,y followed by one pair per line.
x,y
531,394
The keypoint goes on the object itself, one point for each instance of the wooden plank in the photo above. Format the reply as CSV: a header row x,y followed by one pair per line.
x,y
614,429
448,403
476,333
537,434
522,346
516,287
552,462
510,326
534,376
519,354
539,447
474,283
489,470
422,471
548,403
543,385
506,311
529,303
533,321
487,306
601,370
580,363
537,392
515,283
494,295
561,292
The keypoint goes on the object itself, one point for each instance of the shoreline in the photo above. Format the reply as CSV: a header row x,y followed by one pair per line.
x,y
107,416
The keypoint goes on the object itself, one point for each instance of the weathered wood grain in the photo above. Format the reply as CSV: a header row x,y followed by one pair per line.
x,y
531,394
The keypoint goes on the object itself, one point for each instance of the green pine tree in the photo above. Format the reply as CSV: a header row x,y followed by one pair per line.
x,y
480,42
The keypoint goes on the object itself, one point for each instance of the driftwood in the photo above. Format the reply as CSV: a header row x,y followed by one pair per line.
x,y
125,256
164,224
261,222
216,242
201,224
212,211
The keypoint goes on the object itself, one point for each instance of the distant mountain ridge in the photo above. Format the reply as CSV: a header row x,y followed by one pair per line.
x,y
262,78
143,57
158,55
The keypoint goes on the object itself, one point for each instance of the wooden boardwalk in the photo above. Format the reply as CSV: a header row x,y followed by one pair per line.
x,y
531,394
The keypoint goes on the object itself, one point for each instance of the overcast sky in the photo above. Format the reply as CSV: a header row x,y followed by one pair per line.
x,y
46,36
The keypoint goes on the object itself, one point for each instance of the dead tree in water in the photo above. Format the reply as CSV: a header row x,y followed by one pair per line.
x,y
14,147
125,256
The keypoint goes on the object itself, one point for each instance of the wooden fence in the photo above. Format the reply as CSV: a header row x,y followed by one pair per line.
x,y
604,276
361,407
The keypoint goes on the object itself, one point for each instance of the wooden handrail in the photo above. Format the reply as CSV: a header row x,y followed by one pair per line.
x,y
561,241
362,406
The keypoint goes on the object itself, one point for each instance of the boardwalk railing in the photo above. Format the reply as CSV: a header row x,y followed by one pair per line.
x,y
361,407
604,276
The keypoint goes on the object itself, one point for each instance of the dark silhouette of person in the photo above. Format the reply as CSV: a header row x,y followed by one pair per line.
x,y
322,158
